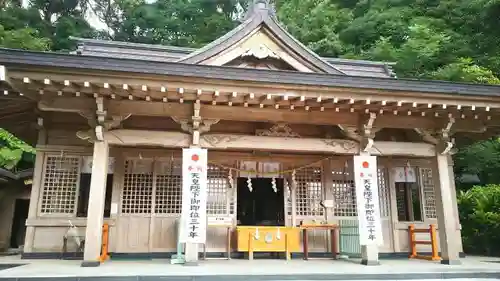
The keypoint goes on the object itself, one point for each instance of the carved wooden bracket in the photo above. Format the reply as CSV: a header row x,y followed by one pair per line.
x,y
441,138
100,122
364,134
196,125
203,126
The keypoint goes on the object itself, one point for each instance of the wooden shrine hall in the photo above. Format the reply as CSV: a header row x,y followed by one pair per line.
x,y
281,126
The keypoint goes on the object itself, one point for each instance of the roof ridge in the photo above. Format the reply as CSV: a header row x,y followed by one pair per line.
x,y
133,45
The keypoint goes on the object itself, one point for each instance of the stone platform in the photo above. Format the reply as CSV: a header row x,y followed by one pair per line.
x,y
472,268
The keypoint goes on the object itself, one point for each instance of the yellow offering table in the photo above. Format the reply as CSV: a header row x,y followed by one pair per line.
x,y
268,239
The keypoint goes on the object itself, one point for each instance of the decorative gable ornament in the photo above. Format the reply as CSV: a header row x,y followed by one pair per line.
x,y
278,130
260,52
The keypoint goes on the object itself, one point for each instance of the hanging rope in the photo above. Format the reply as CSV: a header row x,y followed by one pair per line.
x,y
276,173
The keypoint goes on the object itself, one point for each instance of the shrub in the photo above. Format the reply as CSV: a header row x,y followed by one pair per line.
x,y
479,211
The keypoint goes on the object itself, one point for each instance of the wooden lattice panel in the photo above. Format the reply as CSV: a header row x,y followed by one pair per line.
x,y
383,192
60,184
427,183
309,192
137,187
400,201
344,192
168,191
220,200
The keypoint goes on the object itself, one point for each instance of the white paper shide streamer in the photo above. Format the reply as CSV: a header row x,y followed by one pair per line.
x,y
230,179
249,183
273,185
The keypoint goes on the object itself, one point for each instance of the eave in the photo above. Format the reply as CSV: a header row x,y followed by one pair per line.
x,y
29,59
70,83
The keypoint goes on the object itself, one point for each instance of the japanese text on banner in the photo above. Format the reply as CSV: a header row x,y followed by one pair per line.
x,y
194,196
370,228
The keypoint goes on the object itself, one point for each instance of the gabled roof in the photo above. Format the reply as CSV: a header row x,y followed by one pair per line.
x,y
161,53
127,50
261,15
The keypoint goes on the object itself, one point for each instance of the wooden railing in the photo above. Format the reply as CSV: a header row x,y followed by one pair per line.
x,y
414,242
105,242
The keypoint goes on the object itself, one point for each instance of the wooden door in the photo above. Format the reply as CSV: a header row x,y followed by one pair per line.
x,y
134,218
167,204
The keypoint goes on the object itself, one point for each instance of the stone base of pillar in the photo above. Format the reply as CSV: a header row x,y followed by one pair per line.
x,y
451,262
90,264
369,255
370,262
191,254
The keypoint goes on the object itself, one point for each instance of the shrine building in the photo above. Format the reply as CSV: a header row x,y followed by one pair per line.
x,y
281,125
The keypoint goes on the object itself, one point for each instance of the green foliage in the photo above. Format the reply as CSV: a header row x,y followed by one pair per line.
x,y
456,40
479,211
44,24
170,22
13,150
24,38
465,70
482,159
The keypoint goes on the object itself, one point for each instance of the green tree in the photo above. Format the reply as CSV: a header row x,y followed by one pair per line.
x,y
24,38
170,22
480,158
45,19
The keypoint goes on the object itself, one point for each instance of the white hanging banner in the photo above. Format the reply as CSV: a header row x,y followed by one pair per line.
x,y
404,174
194,196
367,199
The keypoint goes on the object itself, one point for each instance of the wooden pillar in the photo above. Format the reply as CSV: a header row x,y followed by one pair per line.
x,y
455,204
329,198
393,207
36,189
95,214
447,221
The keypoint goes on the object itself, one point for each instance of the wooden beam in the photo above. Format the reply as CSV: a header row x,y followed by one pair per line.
x,y
144,108
253,114
62,104
244,87
134,138
273,115
5,79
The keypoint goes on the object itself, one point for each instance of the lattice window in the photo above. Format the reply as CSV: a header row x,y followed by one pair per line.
x,y
137,187
168,195
60,185
309,192
344,193
383,192
220,195
427,184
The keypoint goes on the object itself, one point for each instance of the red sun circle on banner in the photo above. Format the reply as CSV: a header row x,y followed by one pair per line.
x,y
366,165
195,157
